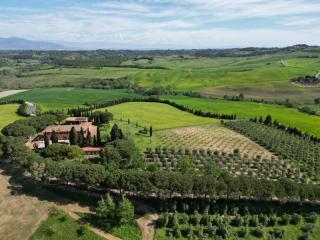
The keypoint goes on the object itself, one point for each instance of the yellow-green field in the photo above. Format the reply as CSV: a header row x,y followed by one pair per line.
x,y
287,116
8,114
157,115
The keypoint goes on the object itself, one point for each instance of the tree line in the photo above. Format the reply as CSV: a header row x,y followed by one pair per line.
x,y
86,111
288,129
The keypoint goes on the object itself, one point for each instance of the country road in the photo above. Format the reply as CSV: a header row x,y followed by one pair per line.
x,y
10,92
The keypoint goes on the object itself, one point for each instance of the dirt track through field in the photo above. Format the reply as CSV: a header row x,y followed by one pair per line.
x,y
10,92
147,226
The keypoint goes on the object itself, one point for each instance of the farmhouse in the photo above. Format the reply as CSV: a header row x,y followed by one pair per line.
x,y
80,124
63,131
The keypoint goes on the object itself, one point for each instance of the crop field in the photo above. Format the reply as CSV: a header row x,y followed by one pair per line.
x,y
213,137
157,115
233,163
229,227
63,98
246,110
8,113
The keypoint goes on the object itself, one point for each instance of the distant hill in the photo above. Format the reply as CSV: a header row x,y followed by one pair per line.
x,y
24,44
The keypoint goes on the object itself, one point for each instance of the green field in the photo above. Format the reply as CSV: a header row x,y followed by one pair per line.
x,y
157,115
63,98
288,116
265,76
8,114
262,76
60,226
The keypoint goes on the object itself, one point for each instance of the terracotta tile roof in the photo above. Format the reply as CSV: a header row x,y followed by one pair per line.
x,y
67,128
77,119
91,149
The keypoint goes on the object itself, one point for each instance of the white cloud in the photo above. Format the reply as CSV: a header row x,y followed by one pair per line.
x,y
301,22
181,24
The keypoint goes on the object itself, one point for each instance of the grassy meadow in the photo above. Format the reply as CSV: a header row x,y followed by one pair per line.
x,y
8,114
157,115
63,98
288,116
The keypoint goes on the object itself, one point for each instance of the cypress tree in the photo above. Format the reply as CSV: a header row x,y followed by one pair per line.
x,y
46,140
95,141
54,137
82,138
73,137
116,133
89,138
98,137
150,131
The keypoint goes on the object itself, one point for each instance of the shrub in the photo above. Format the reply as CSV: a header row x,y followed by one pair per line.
x,y
263,220
278,232
308,228
83,230
284,220
243,232
60,152
163,220
254,221
272,220
295,219
311,217
50,231
237,221
222,231
258,232
304,237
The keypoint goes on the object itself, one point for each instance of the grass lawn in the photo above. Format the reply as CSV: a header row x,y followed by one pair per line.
x,y
63,98
288,116
61,227
157,115
8,114
129,231
142,141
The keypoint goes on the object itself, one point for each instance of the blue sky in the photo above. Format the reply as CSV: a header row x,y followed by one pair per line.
x,y
162,24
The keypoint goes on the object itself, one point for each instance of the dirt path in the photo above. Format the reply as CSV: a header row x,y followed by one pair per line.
x,y
147,226
10,92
